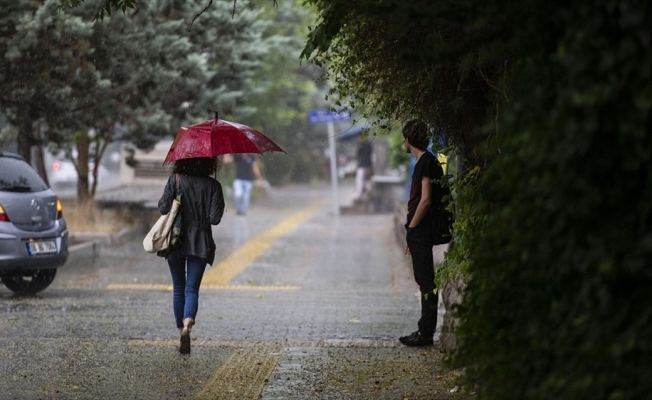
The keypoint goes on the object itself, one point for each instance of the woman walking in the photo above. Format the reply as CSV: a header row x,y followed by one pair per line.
x,y
202,205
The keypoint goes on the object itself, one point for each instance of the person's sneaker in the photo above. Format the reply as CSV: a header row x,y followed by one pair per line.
x,y
415,339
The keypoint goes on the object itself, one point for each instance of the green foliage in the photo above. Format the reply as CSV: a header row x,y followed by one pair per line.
x,y
108,7
468,221
136,77
397,154
37,83
284,92
549,105
557,304
143,73
398,60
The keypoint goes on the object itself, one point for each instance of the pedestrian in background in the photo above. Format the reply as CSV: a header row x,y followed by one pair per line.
x,y
246,169
364,170
202,205
426,193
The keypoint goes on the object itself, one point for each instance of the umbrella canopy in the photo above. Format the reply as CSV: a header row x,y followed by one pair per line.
x,y
216,137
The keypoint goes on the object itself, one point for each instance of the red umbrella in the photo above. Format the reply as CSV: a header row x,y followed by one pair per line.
x,y
216,137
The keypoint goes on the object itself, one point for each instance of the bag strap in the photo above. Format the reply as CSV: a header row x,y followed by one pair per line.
x,y
176,185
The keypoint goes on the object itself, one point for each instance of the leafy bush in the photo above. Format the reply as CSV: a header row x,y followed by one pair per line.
x,y
558,304
549,105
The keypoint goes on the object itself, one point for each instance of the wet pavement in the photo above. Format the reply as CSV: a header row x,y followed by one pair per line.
x,y
299,304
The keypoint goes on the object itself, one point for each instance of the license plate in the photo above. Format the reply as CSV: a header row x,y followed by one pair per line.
x,y
42,247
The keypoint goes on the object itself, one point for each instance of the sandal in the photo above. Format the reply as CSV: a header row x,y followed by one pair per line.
x,y
184,345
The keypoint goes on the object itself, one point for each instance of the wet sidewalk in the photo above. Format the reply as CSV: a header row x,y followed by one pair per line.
x,y
299,304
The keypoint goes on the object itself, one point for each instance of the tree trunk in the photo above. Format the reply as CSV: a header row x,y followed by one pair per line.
x,y
105,138
38,162
25,138
81,164
30,148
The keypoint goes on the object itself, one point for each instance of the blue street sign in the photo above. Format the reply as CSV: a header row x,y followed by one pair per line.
x,y
323,116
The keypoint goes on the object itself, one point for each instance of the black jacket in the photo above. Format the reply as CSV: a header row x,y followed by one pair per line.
x,y
202,205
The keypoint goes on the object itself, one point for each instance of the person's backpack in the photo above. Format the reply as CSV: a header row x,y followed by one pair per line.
x,y
441,220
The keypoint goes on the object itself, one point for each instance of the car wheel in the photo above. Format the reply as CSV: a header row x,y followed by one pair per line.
x,y
28,283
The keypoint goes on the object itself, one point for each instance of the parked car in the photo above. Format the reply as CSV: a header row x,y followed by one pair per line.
x,y
63,176
62,173
33,232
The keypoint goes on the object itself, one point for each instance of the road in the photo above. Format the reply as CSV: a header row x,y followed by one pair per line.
x,y
299,304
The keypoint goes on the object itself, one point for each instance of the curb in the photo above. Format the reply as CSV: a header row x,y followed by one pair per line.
x,y
92,242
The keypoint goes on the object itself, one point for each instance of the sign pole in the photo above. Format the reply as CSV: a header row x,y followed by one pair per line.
x,y
328,117
334,178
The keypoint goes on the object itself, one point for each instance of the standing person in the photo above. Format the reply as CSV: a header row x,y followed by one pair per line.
x,y
364,169
246,168
425,194
202,205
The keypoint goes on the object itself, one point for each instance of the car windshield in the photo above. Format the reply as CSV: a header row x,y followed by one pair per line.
x,y
17,176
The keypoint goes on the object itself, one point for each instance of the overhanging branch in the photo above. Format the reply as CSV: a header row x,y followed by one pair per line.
x,y
210,3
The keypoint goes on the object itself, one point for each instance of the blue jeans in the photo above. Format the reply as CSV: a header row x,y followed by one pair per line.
x,y
185,293
242,195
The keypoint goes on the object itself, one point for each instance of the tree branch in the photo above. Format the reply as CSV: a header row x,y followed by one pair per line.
x,y
274,2
210,3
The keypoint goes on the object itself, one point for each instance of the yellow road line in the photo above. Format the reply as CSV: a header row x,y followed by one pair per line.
x,y
139,286
239,260
252,287
165,286
242,375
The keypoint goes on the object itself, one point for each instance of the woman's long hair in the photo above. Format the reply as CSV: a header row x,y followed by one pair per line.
x,y
204,166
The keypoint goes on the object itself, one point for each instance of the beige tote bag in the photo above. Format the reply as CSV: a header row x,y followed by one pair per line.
x,y
158,238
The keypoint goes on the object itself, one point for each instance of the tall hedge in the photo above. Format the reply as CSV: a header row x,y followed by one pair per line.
x,y
559,303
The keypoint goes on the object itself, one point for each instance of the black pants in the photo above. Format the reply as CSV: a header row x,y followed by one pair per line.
x,y
420,246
